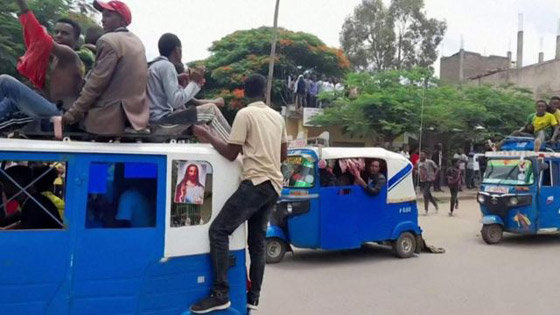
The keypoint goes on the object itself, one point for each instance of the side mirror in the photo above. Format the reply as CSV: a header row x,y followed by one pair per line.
x,y
543,166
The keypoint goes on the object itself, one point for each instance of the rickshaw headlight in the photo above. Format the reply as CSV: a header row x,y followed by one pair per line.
x,y
513,201
481,198
289,208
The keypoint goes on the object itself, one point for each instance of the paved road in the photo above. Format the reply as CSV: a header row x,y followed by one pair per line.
x,y
519,276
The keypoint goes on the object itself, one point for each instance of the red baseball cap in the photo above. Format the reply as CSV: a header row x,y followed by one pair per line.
x,y
117,6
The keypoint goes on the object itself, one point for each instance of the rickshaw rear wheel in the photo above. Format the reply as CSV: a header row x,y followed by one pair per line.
x,y
492,233
275,250
405,245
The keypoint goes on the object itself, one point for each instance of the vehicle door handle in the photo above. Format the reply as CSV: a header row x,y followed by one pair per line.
x,y
345,191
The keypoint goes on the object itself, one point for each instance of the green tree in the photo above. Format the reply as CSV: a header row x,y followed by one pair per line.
x,y
47,12
400,36
244,52
389,103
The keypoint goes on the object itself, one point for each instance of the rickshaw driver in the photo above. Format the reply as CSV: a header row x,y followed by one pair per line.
x,y
260,133
375,180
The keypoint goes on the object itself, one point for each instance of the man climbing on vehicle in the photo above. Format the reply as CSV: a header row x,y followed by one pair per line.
x,y
260,133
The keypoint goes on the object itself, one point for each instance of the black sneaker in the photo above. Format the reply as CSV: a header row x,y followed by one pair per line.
x,y
253,305
210,304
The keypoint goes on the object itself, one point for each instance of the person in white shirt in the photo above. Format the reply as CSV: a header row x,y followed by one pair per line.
x,y
463,159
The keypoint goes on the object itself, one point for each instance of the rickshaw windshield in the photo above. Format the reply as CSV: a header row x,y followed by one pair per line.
x,y
509,172
299,172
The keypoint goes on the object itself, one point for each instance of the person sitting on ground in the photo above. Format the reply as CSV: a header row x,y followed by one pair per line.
x,y
374,181
45,185
167,97
52,66
115,92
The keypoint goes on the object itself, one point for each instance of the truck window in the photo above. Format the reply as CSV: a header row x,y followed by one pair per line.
x,y
32,195
122,195
191,197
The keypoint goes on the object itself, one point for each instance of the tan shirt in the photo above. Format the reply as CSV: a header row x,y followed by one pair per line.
x,y
261,131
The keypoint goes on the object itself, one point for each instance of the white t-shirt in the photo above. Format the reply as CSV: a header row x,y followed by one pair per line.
x,y
463,160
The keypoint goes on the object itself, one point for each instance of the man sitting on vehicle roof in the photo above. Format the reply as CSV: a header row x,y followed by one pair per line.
x,y
115,92
541,124
544,123
52,66
167,98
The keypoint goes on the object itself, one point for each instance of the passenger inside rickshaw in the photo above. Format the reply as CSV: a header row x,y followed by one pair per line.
x,y
348,172
24,207
122,195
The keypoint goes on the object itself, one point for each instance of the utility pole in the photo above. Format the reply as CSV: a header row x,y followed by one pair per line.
x,y
272,55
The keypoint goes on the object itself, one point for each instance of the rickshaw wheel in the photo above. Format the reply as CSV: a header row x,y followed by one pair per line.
x,y
405,245
275,250
492,233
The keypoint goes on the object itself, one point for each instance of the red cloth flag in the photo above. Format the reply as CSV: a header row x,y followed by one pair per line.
x,y
33,64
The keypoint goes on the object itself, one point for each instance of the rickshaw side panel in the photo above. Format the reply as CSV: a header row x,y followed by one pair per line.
x,y
304,230
549,198
340,216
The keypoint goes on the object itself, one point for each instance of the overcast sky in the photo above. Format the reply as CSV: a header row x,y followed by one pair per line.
x,y
487,26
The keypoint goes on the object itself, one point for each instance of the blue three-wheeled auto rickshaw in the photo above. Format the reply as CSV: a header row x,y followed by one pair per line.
x,y
313,214
520,191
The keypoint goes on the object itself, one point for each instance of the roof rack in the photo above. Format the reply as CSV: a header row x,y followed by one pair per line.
x,y
35,132
527,144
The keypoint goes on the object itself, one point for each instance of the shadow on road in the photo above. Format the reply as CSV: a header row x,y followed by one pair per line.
x,y
530,240
367,253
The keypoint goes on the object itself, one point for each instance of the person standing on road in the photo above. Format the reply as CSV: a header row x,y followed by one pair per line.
x,y
437,158
427,170
260,133
463,159
453,175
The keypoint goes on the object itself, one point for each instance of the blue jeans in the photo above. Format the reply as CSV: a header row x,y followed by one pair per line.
x,y
249,203
16,96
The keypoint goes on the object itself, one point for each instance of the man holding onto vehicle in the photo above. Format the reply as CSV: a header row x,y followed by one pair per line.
x,y
260,133
374,181
115,92
167,98
52,66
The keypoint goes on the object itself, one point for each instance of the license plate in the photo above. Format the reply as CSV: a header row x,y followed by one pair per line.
x,y
497,189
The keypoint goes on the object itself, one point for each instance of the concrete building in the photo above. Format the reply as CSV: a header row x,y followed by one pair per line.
x,y
465,65
543,78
